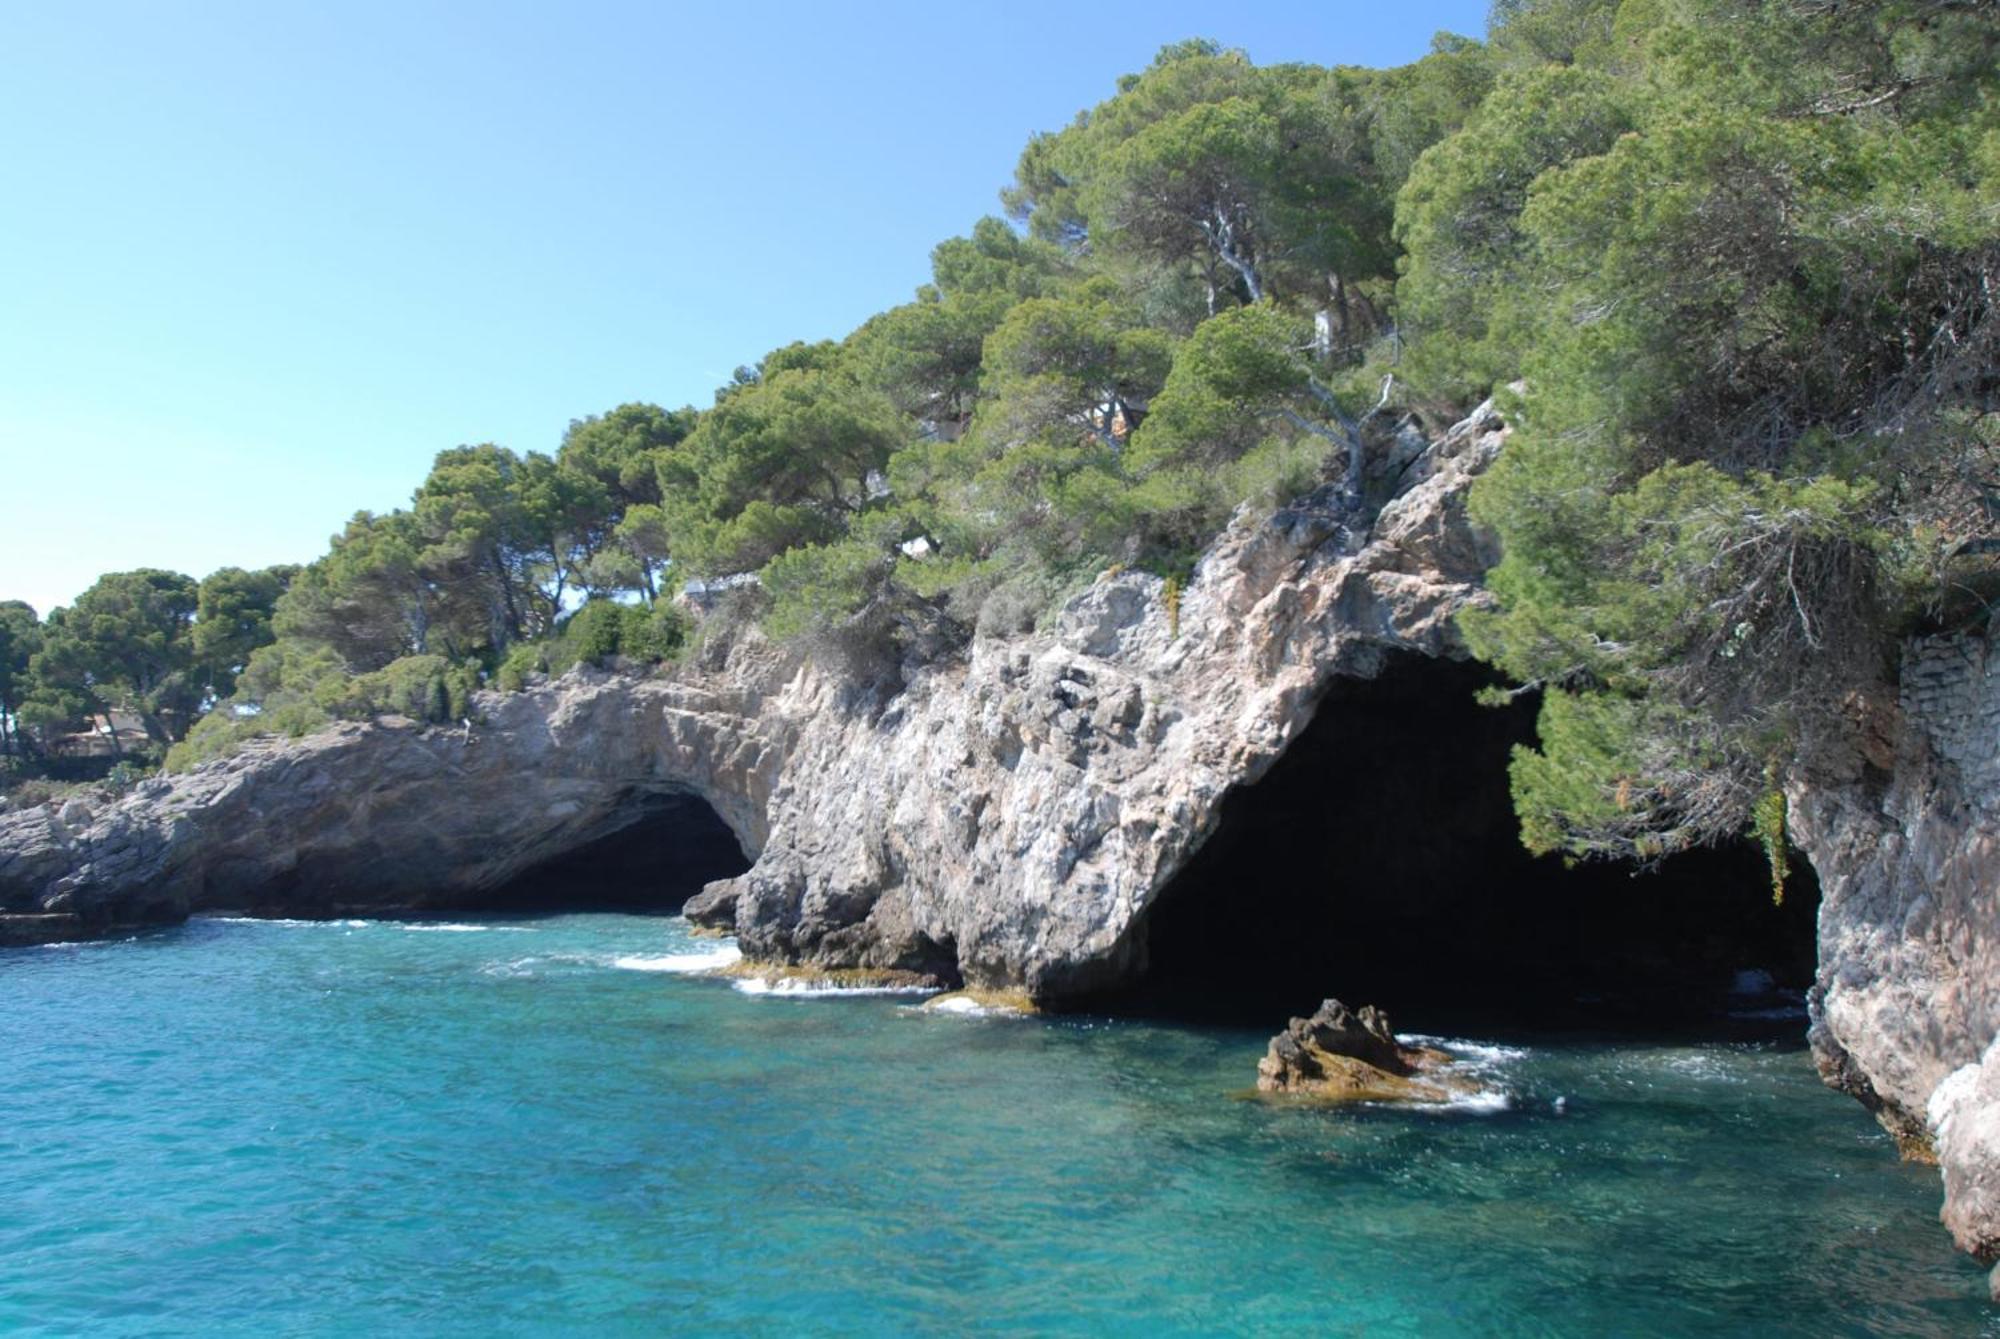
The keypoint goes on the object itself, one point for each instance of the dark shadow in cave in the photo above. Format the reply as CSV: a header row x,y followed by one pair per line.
x,y
1379,862
672,845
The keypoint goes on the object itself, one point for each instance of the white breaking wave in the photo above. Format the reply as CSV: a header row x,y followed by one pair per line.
x,y
713,960
1710,1066
960,1004
444,927
967,1006
287,922
1472,1054
1484,1060
796,988
1484,1101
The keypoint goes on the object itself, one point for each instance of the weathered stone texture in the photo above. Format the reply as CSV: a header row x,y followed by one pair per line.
x,y
1908,858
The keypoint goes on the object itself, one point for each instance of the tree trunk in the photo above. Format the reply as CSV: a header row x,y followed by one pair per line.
x,y
512,631
156,728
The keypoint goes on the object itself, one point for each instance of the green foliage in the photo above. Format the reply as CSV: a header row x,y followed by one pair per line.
x,y
1742,261
1205,169
367,599
602,631
20,639
815,587
781,463
126,644
1459,219
602,634
1769,820
1558,32
625,449
423,688
233,618
1411,108
1240,379
294,688
1065,370
926,355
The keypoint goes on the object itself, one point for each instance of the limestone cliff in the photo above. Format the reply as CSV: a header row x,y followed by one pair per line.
x,y
1906,842
1000,818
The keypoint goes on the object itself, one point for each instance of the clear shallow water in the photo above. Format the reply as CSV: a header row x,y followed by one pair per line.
x,y
367,1128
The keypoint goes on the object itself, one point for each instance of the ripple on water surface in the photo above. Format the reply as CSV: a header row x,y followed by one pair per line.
x,y
541,1126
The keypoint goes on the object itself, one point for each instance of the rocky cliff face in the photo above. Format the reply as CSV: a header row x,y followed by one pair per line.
x,y
1906,842
1012,817
1002,819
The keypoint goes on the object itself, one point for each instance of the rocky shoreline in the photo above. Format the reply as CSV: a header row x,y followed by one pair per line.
x,y
1005,820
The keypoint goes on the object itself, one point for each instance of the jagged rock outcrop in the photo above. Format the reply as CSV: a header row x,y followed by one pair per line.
x,y
1001,819
1905,838
1015,814
1344,1055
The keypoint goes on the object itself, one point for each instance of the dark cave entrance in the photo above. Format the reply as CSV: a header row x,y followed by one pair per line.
x,y
1378,862
669,846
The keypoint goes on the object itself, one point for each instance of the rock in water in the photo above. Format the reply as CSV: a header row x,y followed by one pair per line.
x,y
1345,1055
714,907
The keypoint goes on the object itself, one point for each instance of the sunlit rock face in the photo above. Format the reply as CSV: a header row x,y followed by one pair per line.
x,y
1011,817
1906,840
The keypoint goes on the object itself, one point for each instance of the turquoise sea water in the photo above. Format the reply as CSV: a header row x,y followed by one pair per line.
x,y
534,1127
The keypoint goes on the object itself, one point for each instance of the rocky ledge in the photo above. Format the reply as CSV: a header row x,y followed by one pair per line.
x,y
1341,1055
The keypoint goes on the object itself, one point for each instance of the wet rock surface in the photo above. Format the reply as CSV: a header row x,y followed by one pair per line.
x,y
1345,1055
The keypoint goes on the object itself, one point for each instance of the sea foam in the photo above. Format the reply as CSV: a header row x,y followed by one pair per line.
x,y
803,989
1484,1060
714,960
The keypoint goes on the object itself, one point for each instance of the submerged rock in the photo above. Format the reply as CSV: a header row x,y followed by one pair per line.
x,y
1344,1055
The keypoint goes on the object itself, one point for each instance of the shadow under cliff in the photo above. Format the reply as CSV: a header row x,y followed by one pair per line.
x,y
1379,862
671,847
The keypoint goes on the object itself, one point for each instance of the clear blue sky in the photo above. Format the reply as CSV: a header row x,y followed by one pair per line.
x,y
259,262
